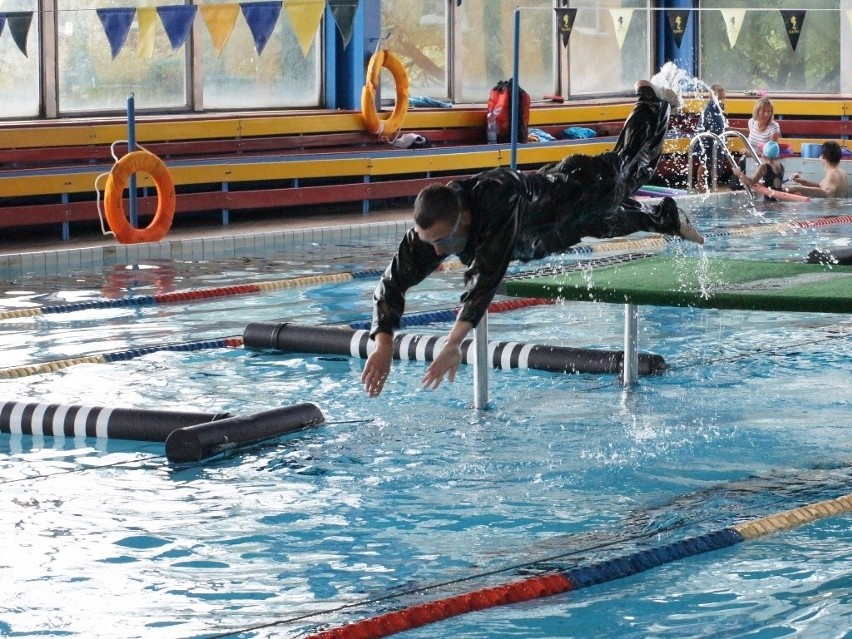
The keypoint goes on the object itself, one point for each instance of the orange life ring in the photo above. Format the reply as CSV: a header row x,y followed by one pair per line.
x,y
393,123
114,191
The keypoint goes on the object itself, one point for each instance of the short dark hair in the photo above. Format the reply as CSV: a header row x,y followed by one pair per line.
x,y
435,203
831,152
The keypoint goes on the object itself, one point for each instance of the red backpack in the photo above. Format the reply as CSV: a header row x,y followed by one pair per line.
x,y
500,108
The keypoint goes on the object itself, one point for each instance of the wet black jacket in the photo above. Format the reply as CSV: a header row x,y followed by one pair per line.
x,y
509,210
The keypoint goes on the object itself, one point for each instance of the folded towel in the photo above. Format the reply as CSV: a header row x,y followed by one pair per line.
x,y
578,133
540,136
427,102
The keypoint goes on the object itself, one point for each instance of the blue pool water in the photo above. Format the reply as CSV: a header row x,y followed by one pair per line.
x,y
363,514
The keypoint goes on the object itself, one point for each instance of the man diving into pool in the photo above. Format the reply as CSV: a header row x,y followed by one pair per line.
x,y
503,214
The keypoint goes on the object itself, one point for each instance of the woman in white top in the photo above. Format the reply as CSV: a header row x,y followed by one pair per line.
x,y
762,126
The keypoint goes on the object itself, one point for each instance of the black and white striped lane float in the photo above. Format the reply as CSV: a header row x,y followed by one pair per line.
x,y
834,255
66,420
194,443
297,338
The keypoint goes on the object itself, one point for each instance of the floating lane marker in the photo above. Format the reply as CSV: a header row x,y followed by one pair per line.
x,y
298,338
67,420
575,578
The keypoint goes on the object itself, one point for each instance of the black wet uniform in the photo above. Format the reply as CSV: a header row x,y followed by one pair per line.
x,y
528,216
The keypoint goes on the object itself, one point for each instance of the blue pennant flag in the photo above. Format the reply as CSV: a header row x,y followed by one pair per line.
x,y
19,27
177,21
116,24
344,16
261,18
2,22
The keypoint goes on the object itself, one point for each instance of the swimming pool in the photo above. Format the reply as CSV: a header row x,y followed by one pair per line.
x,y
415,496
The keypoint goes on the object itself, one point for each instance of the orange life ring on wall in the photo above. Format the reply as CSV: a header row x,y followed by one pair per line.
x,y
392,124
114,206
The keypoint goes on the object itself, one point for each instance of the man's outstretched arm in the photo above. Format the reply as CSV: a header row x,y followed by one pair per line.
x,y
378,365
447,361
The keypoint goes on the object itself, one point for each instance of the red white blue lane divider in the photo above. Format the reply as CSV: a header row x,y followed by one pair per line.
x,y
572,579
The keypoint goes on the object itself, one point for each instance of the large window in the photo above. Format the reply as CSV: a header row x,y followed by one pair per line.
x,y
417,33
105,50
609,48
458,51
241,78
19,52
90,79
762,54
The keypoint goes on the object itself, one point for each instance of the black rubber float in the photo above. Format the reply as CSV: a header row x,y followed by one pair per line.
x,y
830,256
66,420
297,338
194,443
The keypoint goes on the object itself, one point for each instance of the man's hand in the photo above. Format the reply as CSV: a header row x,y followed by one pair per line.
x,y
445,363
378,365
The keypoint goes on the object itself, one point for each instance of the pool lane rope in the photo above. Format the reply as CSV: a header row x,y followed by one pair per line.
x,y
237,341
652,242
119,356
559,582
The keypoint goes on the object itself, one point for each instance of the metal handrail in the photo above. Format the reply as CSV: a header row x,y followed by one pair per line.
x,y
721,143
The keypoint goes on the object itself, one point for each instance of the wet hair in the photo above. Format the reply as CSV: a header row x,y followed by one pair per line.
x,y
762,102
718,89
435,203
831,152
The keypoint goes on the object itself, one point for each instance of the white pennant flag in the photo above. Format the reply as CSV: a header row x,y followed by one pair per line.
x,y
849,17
733,23
621,21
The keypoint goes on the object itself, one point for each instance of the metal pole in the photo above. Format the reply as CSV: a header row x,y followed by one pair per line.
x,y
131,146
516,39
480,364
631,345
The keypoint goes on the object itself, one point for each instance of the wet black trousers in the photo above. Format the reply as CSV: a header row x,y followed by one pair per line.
x,y
589,196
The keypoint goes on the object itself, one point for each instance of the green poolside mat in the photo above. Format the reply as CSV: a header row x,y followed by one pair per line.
x,y
702,283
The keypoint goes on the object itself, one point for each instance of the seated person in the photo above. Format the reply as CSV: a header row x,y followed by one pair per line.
x,y
770,173
833,184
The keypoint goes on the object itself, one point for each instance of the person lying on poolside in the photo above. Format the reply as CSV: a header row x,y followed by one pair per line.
x,y
503,214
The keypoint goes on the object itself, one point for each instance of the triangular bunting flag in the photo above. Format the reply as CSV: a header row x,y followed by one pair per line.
x,y
621,21
116,23
220,20
793,20
678,18
344,15
565,23
305,16
147,20
177,21
733,23
849,17
2,22
261,18
19,26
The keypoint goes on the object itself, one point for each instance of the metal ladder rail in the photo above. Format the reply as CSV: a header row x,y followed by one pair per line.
x,y
721,142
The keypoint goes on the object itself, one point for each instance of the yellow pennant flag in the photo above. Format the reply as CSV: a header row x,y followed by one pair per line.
x,y
621,21
733,23
147,18
220,20
305,16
